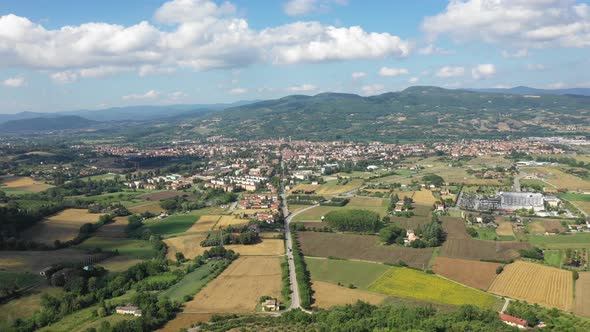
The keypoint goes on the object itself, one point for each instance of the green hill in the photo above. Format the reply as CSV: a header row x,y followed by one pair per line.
x,y
47,123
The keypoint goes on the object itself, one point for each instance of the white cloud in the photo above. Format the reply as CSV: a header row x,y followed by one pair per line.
x,y
372,89
432,49
483,71
177,95
502,86
413,80
14,82
522,23
152,94
358,74
392,72
535,66
64,77
302,88
306,7
200,35
450,71
237,91
522,53
556,85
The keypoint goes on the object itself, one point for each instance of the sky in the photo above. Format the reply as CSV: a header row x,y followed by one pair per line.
x,y
64,55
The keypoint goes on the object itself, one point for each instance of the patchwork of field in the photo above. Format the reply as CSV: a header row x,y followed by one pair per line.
x,y
327,295
361,247
559,178
578,240
35,261
546,225
459,244
239,287
330,187
409,283
422,216
546,286
471,273
132,248
114,229
582,301
359,274
204,223
63,226
22,183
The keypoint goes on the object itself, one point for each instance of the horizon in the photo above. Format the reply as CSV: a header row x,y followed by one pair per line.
x,y
104,55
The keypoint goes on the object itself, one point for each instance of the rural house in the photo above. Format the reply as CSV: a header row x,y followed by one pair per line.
x,y
513,321
270,305
128,310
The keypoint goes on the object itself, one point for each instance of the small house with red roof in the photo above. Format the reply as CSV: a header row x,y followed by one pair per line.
x,y
514,321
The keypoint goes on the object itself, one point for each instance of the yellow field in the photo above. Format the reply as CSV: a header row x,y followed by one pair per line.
x,y
230,220
327,295
239,287
63,226
204,223
184,320
582,305
152,207
560,179
424,197
505,229
23,183
189,245
268,247
270,235
366,202
534,283
330,188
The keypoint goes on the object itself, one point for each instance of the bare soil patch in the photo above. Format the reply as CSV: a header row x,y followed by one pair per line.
x,y
471,273
327,295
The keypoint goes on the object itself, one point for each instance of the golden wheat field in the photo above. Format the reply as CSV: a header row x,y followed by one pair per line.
x,y
230,220
25,183
327,295
63,226
189,245
424,197
268,247
239,287
534,283
204,223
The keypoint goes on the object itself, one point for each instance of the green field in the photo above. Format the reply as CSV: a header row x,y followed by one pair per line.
x,y
23,307
485,233
107,176
360,274
575,197
21,280
378,205
405,282
190,284
553,257
171,225
14,192
133,248
579,240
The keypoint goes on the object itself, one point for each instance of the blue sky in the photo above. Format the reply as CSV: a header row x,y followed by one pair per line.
x,y
87,55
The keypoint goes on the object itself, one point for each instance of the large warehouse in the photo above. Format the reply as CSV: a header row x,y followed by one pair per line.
x,y
517,200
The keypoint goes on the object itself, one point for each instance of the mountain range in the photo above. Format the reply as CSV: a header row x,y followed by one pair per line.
x,y
525,90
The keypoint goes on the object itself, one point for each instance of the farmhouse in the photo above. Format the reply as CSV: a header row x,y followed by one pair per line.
x,y
128,310
270,305
513,321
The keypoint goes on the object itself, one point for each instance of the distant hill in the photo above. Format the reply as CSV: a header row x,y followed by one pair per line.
x,y
415,113
525,90
47,123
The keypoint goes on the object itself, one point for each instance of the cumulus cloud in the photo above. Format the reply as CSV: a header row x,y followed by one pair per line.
x,y
64,77
199,35
237,91
529,23
305,7
413,80
483,71
392,72
177,95
432,49
522,53
450,71
152,94
14,82
302,88
372,89
358,74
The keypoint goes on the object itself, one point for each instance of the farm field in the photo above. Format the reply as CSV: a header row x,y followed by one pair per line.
x,y
171,225
581,201
422,216
553,257
559,178
330,187
20,280
119,263
230,220
471,273
361,247
139,249
239,287
18,184
204,223
63,226
114,229
161,195
315,213
327,295
360,274
405,282
535,283
24,306
376,204
505,229
424,197
190,284
540,226
152,207
189,245
578,240
185,320
35,261
268,247
582,301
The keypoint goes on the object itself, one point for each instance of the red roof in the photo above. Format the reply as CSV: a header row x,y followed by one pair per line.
x,y
514,320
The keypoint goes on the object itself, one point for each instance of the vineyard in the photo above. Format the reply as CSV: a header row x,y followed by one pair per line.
x,y
546,286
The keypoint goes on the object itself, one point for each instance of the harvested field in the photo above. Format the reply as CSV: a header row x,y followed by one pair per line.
x,y
582,301
204,223
189,245
270,235
20,183
25,306
152,207
559,179
360,274
405,282
535,283
63,226
471,273
119,263
361,247
505,229
424,197
230,220
327,295
35,261
268,247
114,229
239,287
184,320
